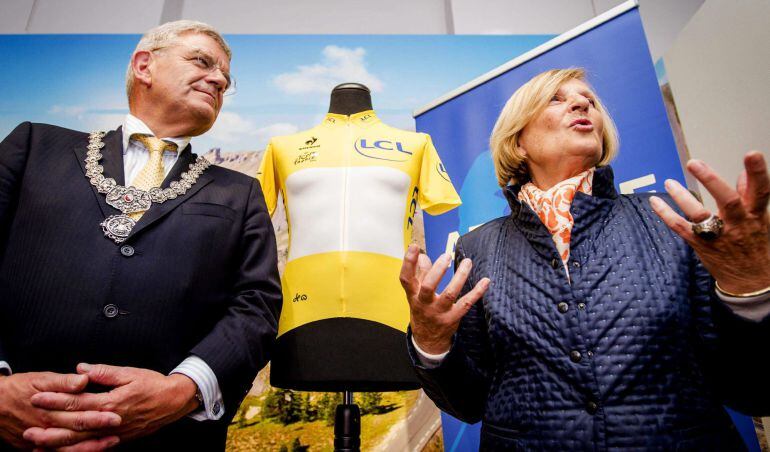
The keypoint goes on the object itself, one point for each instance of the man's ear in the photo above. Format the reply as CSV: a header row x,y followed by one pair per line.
x,y
141,62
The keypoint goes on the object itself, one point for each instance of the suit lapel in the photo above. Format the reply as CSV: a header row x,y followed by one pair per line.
x,y
112,162
158,211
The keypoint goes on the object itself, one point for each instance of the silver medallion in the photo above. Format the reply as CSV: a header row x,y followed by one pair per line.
x,y
118,227
129,199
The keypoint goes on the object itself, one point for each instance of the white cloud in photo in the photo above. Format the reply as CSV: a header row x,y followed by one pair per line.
x,y
232,131
101,103
107,115
107,121
403,121
80,117
230,127
338,65
71,111
274,130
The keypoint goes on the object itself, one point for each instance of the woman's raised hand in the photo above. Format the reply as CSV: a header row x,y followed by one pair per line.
x,y
738,254
433,317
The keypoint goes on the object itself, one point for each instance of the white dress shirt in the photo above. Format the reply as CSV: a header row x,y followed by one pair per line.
x,y
135,156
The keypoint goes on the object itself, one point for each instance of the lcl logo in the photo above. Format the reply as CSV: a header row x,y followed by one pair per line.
x,y
442,171
382,150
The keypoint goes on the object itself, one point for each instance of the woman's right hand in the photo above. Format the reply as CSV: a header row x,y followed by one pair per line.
x,y
433,317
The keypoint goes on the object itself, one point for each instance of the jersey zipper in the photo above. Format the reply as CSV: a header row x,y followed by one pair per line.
x,y
345,208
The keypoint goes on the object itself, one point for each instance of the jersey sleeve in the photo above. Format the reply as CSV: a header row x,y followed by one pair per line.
x,y
436,192
266,175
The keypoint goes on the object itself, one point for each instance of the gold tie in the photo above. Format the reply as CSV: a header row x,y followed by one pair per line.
x,y
153,172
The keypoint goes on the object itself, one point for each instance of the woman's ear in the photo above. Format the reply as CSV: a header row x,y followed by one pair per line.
x,y
520,147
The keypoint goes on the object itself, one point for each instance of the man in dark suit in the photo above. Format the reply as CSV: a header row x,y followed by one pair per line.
x,y
139,316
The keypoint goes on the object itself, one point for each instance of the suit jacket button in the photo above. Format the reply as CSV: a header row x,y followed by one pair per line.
x,y
555,263
575,356
562,307
110,311
592,407
127,250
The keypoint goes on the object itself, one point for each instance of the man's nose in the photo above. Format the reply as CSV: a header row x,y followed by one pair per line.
x,y
217,77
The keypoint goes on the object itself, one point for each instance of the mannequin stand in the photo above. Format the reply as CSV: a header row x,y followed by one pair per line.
x,y
347,425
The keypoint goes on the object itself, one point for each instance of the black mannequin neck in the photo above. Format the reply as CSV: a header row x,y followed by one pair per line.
x,y
350,98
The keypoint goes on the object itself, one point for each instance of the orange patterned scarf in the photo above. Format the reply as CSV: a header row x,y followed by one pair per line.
x,y
552,206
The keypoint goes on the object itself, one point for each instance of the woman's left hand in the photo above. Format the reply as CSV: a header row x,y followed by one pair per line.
x,y
739,258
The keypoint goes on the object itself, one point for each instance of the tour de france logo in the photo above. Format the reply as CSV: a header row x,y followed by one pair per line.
x,y
307,155
381,149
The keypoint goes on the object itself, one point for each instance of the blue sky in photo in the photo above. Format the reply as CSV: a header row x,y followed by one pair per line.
x,y
283,81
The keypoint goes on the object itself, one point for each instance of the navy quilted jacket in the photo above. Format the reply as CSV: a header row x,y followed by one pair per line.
x,y
636,353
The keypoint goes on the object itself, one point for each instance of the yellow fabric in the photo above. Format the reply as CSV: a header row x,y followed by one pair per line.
x,y
152,173
345,282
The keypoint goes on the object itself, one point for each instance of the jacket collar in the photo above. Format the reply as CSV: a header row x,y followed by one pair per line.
x,y
112,162
586,210
603,187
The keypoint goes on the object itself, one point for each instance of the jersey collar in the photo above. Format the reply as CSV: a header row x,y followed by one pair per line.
x,y
362,118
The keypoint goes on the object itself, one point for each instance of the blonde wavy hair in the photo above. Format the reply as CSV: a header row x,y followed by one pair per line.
x,y
526,104
165,35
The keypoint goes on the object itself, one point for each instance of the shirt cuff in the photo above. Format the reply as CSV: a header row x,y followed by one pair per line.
x,y
5,368
752,308
426,359
213,407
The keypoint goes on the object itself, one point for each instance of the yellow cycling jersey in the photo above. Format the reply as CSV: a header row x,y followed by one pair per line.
x,y
350,187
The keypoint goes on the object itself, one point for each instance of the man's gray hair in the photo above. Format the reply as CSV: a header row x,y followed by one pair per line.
x,y
165,35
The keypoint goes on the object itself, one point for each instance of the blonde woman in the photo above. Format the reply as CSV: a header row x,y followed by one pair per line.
x,y
600,325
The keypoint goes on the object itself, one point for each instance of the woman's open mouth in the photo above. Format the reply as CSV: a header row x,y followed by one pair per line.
x,y
582,125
